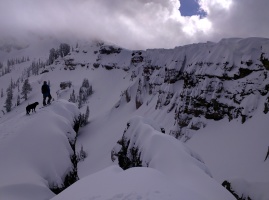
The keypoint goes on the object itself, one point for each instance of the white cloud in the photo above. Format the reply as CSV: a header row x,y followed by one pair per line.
x,y
211,5
134,23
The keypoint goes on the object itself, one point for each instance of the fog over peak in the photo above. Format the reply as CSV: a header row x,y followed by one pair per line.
x,y
133,24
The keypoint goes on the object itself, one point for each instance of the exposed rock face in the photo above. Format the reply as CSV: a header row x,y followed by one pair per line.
x,y
210,80
109,50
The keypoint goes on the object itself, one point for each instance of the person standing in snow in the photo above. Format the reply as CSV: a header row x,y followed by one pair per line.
x,y
45,89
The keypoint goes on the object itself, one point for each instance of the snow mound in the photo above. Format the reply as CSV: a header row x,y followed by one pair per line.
x,y
144,143
35,151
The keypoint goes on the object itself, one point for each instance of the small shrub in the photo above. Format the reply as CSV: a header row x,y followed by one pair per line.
x,y
81,155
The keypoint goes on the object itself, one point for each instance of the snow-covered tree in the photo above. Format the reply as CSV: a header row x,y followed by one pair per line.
x,y
26,88
52,56
64,49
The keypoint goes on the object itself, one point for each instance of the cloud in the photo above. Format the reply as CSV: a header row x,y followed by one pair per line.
x,y
133,23
240,19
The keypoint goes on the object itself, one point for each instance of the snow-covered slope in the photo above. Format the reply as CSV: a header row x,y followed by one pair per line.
x,y
35,151
213,96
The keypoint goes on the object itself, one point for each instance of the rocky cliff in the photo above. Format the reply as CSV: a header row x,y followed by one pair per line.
x,y
196,82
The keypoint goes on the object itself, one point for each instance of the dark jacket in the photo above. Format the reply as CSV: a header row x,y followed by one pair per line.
x,y
45,89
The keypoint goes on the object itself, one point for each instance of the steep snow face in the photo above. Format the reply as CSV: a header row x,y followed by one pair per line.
x,y
35,151
237,153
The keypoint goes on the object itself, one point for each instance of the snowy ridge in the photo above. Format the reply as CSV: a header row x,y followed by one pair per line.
x,y
35,152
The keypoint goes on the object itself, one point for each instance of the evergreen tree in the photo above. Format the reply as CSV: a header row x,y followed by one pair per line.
x,y
88,87
8,102
52,56
18,85
82,94
85,90
87,114
18,100
80,100
28,72
26,88
35,68
72,97
64,49
12,84
2,92
85,83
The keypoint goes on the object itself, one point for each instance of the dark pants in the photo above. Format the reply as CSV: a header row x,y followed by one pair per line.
x,y
45,97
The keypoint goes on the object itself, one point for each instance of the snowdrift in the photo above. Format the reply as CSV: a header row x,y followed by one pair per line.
x,y
35,151
169,171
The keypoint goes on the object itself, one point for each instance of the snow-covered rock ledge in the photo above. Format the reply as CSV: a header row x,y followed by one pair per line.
x,y
35,152
245,190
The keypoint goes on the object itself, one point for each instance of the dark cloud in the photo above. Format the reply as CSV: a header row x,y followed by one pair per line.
x,y
132,23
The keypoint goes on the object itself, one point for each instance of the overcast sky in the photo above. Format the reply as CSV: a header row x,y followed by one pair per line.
x,y
136,24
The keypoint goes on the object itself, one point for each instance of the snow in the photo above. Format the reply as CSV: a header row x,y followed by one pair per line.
x,y
172,172
115,184
240,144
255,190
35,150
171,157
